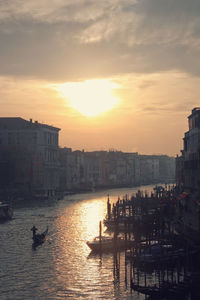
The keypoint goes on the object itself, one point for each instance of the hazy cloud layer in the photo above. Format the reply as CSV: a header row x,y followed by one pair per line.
x,y
76,39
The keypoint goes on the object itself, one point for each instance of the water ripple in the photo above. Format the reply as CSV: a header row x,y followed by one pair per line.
x,y
62,268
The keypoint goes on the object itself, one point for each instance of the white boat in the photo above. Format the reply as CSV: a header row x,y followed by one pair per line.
x,y
106,243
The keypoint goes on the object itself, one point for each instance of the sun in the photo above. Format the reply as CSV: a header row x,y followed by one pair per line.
x,y
90,97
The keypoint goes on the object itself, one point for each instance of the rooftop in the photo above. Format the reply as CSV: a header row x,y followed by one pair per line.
x,y
19,123
195,111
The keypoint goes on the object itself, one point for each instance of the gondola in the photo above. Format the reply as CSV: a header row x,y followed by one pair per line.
x,y
38,238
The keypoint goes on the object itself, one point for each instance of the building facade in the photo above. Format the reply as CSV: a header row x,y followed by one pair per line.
x,y
32,163
31,149
188,176
83,170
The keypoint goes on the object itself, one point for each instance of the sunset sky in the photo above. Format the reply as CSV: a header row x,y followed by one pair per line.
x,y
112,74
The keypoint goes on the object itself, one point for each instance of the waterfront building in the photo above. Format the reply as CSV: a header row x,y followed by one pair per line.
x,y
133,168
188,177
31,163
65,169
29,151
93,169
191,152
166,168
179,171
81,170
149,169
121,168
72,176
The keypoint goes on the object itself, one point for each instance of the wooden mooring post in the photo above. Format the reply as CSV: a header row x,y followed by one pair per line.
x,y
147,218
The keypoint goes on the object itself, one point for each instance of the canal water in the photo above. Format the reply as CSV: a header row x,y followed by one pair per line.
x,y
63,267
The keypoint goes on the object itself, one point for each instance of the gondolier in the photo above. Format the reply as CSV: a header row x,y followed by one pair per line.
x,y
38,238
34,229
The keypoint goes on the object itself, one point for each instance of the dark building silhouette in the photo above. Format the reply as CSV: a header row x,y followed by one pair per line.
x,y
29,152
188,177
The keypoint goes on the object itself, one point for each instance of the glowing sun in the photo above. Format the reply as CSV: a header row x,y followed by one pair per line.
x,y
91,97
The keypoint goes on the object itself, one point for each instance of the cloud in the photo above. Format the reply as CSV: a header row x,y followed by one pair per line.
x,y
63,40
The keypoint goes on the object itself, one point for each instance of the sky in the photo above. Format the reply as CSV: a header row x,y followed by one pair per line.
x,y
112,74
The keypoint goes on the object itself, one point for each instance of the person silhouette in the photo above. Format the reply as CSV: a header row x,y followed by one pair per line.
x,y
34,229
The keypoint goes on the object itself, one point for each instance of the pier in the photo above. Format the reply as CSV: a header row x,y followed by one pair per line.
x,y
147,223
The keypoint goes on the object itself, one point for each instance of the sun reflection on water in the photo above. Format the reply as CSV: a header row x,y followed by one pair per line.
x,y
77,224
63,267
93,212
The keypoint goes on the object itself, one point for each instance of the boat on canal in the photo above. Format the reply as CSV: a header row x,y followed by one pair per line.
x,y
38,238
106,244
103,243
6,212
158,253
165,291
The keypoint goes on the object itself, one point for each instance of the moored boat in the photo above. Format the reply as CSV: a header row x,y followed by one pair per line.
x,y
6,212
158,253
106,243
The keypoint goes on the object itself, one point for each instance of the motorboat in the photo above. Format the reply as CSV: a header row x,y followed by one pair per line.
x,y
106,243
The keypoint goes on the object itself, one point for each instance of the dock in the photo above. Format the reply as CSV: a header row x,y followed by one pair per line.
x,y
146,221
